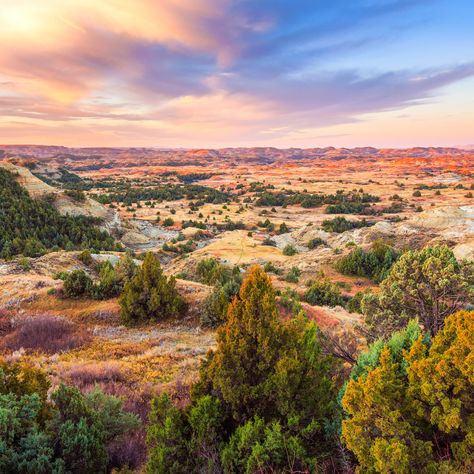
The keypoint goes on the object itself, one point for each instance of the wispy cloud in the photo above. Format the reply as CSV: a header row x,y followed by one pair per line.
x,y
179,70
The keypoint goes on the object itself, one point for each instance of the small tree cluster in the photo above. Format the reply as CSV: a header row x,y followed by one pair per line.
x,y
70,434
78,284
374,263
341,224
226,281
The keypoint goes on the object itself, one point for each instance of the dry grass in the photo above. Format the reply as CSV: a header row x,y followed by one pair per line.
x,y
46,334
91,373
84,310
5,322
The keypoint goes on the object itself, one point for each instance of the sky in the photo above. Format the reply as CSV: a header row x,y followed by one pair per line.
x,y
217,73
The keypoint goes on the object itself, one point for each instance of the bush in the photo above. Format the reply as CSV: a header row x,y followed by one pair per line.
x,y
45,334
111,280
316,242
289,301
354,304
87,375
323,293
227,281
374,263
429,284
269,267
69,434
293,275
86,257
77,284
214,309
24,264
109,285
341,224
421,393
289,250
168,222
149,295
76,195
211,272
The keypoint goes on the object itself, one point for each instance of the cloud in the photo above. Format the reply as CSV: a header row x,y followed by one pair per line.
x,y
194,69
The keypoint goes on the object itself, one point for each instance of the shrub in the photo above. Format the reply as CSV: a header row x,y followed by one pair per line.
x,y
323,293
24,264
374,263
86,257
87,375
354,304
109,284
84,425
341,224
75,194
422,395
71,434
20,378
211,272
168,222
293,275
289,250
315,242
214,309
290,301
149,295
269,267
111,280
45,334
77,284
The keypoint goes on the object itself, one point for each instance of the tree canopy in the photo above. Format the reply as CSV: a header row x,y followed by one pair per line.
x,y
33,227
429,284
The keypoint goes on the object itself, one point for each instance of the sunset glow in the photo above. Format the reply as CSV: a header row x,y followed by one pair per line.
x,y
212,73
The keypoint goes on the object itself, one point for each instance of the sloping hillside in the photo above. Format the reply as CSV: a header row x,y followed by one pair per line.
x,y
64,204
33,226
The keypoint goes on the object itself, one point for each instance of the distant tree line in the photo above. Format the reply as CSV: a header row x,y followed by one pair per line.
x,y
166,193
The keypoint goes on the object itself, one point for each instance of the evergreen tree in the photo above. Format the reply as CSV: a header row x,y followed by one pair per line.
x,y
77,284
166,436
429,284
264,399
33,227
410,403
149,295
80,436
323,292
248,349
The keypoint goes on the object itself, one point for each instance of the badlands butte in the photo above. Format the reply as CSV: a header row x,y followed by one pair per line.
x,y
295,212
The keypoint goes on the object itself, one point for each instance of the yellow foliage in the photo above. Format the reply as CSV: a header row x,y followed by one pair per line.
x,y
416,416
